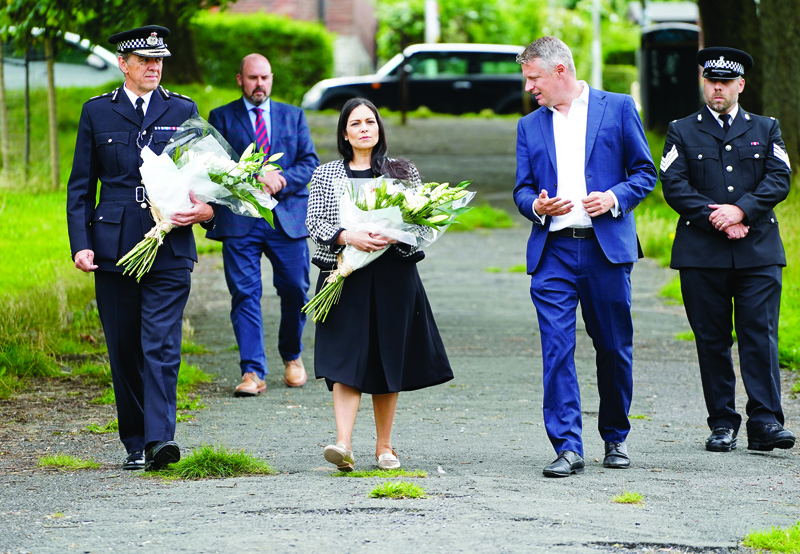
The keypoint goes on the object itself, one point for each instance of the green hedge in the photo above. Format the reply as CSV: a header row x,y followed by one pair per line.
x,y
619,78
300,53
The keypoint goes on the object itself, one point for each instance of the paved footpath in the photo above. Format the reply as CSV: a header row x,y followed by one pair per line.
x,y
480,437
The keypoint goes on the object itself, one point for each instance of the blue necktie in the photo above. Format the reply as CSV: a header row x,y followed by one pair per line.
x,y
726,122
262,139
140,110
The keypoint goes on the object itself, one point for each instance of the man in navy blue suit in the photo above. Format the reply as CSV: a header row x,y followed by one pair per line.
x,y
274,127
583,164
141,320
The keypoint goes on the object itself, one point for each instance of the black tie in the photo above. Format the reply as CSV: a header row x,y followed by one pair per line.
x,y
139,110
726,122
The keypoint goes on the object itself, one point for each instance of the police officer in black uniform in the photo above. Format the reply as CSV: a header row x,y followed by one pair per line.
x,y
141,320
723,171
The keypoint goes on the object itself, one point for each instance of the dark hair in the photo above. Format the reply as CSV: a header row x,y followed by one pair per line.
x,y
380,164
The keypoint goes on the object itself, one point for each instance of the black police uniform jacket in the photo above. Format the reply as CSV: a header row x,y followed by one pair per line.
x,y
748,167
106,149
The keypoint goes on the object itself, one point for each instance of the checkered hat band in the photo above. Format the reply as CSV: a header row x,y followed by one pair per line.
x,y
138,43
725,64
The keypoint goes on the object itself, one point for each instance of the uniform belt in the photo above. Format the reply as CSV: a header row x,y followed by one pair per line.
x,y
119,194
574,232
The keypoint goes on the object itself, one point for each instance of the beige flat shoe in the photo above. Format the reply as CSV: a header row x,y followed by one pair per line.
x,y
340,456
295,375
388,460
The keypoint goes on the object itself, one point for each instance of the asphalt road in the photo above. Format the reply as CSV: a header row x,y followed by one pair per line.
x,y
480,437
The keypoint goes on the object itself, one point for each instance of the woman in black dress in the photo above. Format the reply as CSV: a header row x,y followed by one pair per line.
x,y
381,337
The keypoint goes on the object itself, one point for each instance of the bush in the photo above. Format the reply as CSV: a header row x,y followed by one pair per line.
x,y
300,53
619,78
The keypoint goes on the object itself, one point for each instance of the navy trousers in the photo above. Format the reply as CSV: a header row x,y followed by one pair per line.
x,y
290,269
573,271
710,296
142,325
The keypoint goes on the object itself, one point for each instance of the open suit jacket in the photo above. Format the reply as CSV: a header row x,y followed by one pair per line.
x,y
106,149
290,135
617,159
750,171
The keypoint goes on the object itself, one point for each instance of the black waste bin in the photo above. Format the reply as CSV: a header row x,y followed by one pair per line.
x,y
670,76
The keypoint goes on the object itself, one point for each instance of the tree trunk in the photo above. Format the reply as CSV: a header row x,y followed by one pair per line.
x,y
182,67
55,158
779,23
5,141
736,25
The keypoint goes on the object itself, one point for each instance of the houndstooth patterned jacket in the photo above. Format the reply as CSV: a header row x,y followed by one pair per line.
x,y
322,218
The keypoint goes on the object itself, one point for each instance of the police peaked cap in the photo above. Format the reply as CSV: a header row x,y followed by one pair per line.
x,y
147,42
721,63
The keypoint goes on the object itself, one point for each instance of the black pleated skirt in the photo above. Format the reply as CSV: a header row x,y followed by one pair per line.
x,y
381,337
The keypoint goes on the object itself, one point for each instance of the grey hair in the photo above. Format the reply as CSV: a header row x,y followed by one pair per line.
x,y
124,55
550,51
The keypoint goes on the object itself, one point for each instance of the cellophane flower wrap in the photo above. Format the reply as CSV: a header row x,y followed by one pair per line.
x,y
417,216
200,160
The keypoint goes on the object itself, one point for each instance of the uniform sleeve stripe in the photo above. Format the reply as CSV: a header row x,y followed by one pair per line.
x,y
781,154
667,160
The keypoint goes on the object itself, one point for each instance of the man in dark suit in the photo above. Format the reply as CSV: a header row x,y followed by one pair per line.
x,y
723,171
583,164
141,320
274,127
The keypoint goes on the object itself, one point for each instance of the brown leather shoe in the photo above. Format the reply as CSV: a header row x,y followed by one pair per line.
x,y
251,385
295,375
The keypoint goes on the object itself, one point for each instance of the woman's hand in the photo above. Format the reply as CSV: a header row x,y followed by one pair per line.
x,y
364,241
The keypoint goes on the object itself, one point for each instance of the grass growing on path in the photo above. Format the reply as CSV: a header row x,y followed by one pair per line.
x,y
386,473
109,427
482,217
397,489
216,462
64,461
776,539
628,498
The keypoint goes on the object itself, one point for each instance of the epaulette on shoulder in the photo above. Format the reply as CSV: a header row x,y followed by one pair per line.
x,y
101,96
167,94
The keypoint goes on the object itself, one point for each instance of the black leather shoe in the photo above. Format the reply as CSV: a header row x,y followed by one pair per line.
x,y
567,463
617,456
135,460
769,436
722,439
161,455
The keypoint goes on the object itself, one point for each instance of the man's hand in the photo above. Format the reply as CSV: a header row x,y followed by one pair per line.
x,y
725,215
273,182
84,260
551,206
738,231
199,213
598,203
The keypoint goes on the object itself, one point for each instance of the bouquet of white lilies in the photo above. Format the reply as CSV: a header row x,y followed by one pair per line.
x,y
199,160
416,216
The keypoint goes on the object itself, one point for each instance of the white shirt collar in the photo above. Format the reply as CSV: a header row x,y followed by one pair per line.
x,y
732,113
265,105
584,96
132,96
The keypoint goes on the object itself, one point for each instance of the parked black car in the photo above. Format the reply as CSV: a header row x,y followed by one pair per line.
x,y
446,78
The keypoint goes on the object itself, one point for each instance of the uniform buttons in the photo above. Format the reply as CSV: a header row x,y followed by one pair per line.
x,y
728,147
730,189
144,132
757,156
142,181
172,140
109,140
699,156
772,220
144,205
101,217
729,169
687,223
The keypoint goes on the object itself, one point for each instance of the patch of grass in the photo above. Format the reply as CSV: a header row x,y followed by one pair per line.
x,y
189,376
105,399
640,416
186,403
397,489
181,417
482,217
628,498
189,347
204,245
519,268
94,373
216,462
672,291
775,539
386,473
109,427
64,461
232,348
686,335
493,269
